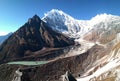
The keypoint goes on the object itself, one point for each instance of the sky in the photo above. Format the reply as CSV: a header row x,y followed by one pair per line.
x,y
14,13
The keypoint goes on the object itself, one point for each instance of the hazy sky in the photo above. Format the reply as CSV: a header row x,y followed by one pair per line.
x,y
14,13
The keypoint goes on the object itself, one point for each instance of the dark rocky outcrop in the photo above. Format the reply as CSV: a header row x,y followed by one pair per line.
x,y
32,37
68,77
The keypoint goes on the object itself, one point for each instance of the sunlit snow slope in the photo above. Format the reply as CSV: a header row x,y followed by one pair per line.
x,y
93,29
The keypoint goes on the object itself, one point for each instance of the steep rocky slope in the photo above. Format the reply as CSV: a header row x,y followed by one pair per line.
x,y
107,69
32,37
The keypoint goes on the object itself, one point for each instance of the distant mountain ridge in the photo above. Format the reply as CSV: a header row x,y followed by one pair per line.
x,y
3,38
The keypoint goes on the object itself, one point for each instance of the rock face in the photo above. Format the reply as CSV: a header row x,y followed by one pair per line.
x,y
17,76
68,77
31,37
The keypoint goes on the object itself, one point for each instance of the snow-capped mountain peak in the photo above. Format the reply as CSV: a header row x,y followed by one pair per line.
x,y
58,14
64,23
103,18
61,21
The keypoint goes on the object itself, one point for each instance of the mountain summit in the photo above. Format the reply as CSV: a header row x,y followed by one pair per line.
x,y
64,23
31,37
61,21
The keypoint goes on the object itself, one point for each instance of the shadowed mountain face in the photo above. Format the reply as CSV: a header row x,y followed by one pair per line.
x,y
31,37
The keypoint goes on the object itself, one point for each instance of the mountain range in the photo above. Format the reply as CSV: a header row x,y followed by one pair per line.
x,y
64,23
3,38
88,49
